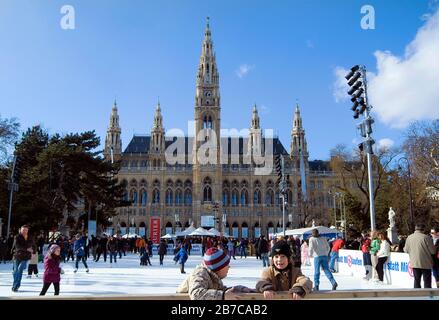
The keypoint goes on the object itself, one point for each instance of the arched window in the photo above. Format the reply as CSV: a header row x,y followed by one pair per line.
x,y
169,197
188,197
207,194
235,196
178,197
226,196
133,196
207,190
144,197
269,198
244,198
156,196
125,196
257,197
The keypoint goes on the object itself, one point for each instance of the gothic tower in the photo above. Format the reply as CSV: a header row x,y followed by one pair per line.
x,y
157,142
207,174
255,137
298,141
113,143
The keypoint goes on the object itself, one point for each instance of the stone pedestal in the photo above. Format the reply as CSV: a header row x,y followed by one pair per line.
x,y
391,234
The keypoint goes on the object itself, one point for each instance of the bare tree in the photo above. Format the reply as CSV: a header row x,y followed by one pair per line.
x,y
9,130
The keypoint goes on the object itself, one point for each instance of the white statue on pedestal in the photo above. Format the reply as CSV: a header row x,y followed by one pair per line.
x,y
392,218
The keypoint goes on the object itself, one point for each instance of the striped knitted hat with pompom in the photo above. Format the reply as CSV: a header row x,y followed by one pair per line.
x,y
215,259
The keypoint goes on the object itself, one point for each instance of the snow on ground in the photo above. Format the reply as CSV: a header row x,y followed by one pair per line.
x,y
128,277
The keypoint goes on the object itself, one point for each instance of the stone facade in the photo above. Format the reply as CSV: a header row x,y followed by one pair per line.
x,y
244,200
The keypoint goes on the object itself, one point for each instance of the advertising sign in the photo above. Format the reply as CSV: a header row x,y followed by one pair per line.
x,y
155,230
208,221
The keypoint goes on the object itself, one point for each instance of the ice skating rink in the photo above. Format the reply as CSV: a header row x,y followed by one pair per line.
x,y
128,277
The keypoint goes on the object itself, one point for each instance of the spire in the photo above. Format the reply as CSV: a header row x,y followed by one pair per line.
x,y
158,119
113,142
207,71
298,139
297,126
255,118
207,32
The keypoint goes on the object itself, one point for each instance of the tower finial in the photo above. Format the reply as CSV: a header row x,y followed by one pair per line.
x,y
115,102
207,22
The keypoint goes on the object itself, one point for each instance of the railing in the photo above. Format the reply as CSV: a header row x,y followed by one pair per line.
x,y
321,295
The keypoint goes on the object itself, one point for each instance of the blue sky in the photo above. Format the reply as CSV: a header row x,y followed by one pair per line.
x,y
136,50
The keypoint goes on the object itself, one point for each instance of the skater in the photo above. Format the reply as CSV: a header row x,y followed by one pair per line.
x,y
336,246
3,249
52,270
71,253
33,264
305,253
79,249
263,251
162,251
94,246
283,275
420,248
144,258
22,248
205,281
365,248
243,248
112,249
319,249
181,258
383,254
374,248
102,248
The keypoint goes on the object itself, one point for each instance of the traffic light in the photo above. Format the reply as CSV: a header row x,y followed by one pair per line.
x,y
367,145
354,78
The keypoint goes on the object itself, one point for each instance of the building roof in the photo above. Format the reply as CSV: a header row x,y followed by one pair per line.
x,y
141,144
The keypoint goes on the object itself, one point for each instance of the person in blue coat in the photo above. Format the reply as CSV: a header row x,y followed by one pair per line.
x,y
79,250
181,258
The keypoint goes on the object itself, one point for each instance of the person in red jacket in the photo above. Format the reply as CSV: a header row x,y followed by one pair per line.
x,y
365,248
336,246
52,270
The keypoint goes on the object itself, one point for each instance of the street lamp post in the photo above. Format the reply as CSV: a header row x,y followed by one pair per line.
x,y
410,192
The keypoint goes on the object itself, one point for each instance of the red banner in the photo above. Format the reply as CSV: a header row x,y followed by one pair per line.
x,y
155,230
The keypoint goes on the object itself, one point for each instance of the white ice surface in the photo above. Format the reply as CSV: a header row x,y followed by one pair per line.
x,y
128,277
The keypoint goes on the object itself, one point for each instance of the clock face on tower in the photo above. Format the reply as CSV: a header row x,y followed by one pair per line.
x,y
207,93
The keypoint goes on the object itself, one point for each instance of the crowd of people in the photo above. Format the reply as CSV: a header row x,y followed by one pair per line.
x,y
423,250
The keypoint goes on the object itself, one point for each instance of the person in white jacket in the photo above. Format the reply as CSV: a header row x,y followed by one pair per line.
x,y
319,249
383,254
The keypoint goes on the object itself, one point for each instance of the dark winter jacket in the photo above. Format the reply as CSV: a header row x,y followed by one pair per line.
x,y
3,247
163,248
263,246
21,246
112,245
52,270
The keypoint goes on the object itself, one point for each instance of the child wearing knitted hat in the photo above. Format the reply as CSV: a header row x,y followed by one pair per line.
x,y
282,275
205,281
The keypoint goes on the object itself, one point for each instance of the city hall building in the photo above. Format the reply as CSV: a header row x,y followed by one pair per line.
x,y
219,181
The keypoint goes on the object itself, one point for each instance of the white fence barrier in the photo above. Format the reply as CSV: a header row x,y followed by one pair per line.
x,y
396,270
